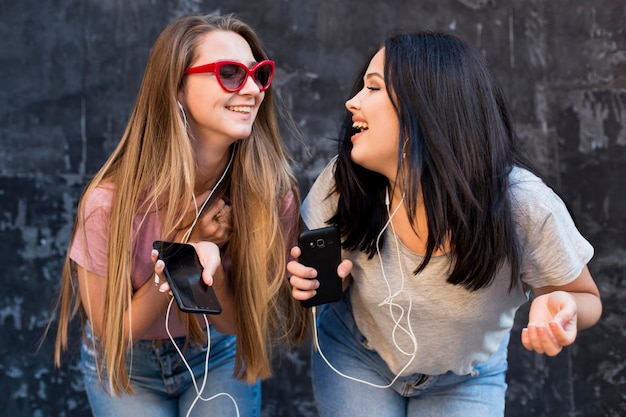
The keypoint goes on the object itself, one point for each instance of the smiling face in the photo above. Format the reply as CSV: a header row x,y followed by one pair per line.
x,y
375,147
214,114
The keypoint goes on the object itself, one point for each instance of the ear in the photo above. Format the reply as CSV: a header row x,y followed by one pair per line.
x,y
406,141
180,97
182,112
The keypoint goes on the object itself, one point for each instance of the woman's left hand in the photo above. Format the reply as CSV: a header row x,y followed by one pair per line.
x,y
215,225
552,323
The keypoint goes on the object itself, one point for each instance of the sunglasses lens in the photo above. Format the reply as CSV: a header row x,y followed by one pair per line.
x,y
232,76
263,75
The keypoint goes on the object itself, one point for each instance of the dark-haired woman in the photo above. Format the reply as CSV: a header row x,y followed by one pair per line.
x,y
445,233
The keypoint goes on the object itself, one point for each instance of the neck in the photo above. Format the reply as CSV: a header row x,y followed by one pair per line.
x,y
210,168
395,192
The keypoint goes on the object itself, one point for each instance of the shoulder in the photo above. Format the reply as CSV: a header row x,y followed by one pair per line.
x,y
555,250
289,204
320,202
98,198
324,182
539,212
530,195
523,181
327,176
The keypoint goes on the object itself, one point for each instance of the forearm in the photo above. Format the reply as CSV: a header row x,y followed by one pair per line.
x,y
148,305
586,295
589,309
226,321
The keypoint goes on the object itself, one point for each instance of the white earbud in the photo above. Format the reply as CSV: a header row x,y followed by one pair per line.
x,y
404,147
182,111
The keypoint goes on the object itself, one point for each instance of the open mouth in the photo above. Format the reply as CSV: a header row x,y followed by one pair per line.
x,y
240,109
360,126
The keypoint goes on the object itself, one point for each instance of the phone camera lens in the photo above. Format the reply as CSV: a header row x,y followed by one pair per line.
x,y
321,243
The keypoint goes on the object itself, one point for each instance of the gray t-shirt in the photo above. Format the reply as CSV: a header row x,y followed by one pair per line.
x,y
422,324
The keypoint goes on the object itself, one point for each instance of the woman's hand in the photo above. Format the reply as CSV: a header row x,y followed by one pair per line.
x,y
552,323
215,225
558,312
159,276
208,254
302,278
210,258
212,274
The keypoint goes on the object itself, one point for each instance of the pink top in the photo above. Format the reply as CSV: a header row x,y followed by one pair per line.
x,y
89,248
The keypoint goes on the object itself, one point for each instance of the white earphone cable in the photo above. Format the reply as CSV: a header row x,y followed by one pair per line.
x,y
206,365
387,301
167,316
199,211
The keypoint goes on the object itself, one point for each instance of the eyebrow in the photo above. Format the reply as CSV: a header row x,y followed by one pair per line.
x,y
372,75
248,64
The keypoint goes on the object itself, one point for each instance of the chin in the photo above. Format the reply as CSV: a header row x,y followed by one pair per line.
x,y
363,162
357,159
358,153
242,135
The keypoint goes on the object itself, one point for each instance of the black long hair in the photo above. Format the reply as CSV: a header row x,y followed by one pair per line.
x,y
461,147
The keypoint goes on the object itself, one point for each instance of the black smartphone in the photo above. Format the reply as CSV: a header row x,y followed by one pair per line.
x,y
184,274
321,249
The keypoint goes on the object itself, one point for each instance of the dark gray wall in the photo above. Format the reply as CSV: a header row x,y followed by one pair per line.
x,y
70,70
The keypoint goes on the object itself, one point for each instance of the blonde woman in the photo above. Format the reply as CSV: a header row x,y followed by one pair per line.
x,y
201,146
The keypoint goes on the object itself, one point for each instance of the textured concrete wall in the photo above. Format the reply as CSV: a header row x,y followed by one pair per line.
x,y
70,70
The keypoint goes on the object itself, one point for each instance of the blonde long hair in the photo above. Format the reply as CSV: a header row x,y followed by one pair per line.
x,y
154,163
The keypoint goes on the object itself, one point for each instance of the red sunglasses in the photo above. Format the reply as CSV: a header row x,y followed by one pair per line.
x,y
232,75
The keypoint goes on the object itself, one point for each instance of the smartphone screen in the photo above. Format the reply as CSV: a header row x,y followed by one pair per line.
x,y
184,274
321,249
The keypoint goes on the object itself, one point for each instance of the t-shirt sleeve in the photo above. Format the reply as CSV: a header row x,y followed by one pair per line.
x,y
555,251
89,245
319,205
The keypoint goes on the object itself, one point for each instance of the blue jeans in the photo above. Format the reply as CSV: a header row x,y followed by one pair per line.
x,y
480,394
163,385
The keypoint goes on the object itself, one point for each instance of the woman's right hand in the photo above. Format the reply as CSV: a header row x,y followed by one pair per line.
x,y
302,277
208,254
213,275
210,258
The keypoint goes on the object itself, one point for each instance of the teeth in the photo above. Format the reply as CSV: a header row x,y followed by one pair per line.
x,y
360,126
240,109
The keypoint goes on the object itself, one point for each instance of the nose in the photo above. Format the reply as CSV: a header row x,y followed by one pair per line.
x,y
353,104
250,86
